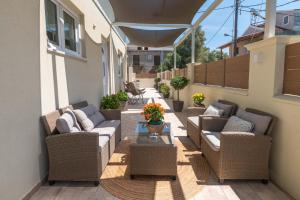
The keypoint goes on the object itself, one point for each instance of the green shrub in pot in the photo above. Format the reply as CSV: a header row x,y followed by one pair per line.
x,y
110,102
165,90
156,82
178,83
122,96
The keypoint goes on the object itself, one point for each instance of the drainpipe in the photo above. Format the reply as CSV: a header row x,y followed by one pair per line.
x,y
270,21
174,56
193,46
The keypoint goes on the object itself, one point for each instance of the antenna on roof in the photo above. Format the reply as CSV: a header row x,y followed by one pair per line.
x,y
255,14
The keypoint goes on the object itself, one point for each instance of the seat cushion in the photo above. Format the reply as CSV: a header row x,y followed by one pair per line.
x,y
213,111
212,139
227,109
194,120
103,140
237,124
67,123
261,122
107,127
89,117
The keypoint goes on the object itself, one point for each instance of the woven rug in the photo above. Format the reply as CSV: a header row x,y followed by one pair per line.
x,y
192,173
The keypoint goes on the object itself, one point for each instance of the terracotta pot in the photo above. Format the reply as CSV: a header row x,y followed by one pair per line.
x,y
178,106
156,128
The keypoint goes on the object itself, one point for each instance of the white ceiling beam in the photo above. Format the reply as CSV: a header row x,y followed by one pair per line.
x,y
210,9
126,24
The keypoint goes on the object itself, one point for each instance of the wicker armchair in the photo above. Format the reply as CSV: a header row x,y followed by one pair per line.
x,y
78,156
194,125
236,155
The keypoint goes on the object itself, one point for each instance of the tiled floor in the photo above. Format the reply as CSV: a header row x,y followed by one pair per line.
x,y
231,190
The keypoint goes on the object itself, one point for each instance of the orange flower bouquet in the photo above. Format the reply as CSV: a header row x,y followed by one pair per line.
x,y
154,113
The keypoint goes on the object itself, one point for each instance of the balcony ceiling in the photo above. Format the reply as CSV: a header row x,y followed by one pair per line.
x,y
155,11
152,38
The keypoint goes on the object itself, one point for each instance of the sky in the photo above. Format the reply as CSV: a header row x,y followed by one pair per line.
x,y
211,25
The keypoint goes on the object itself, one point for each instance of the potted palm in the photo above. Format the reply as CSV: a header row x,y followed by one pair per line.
x,y
154,116
178,83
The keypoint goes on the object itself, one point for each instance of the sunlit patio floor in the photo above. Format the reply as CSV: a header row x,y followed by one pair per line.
x,y
211,190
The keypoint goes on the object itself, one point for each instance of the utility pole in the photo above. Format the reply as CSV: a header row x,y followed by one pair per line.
x,y
235,49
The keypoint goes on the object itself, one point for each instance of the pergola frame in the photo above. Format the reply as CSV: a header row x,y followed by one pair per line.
x,y
191,28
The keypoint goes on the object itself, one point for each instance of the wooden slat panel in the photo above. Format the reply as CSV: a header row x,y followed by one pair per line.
x,y
237,72
291,83
215,73
177,72
200,74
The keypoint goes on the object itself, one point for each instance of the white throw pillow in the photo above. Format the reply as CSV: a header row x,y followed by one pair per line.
x,y
213,111
67,123
236,124
89,117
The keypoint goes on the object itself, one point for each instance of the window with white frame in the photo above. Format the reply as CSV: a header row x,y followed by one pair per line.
x,y
286,20
120,65
63,28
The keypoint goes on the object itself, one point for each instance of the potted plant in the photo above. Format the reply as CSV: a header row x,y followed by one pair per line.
x,y
110,107
178,83
123,98
156,82
165,90
198,98
154,116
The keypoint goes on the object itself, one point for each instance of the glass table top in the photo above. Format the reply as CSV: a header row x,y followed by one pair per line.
x,y
143,137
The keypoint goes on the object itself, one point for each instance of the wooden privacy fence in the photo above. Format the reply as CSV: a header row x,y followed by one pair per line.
x,y
291,83
167,75
231,72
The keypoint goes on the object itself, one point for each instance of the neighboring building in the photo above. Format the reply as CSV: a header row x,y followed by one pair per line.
x,y
287,23
145,60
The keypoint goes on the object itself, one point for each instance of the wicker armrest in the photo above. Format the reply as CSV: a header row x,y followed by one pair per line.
x,y
212,123
111,114
245,146
68,144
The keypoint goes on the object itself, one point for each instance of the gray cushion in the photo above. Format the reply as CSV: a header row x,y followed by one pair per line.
x,y
194,120
67,123
261,122
89,117
213,111
103,140
212,139
225,107
107,127
237,124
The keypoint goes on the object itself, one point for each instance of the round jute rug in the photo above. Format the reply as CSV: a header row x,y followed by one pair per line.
x,y
192,173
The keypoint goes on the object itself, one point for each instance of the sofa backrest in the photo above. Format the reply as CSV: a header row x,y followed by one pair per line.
x,y
234,106
259,112
49,122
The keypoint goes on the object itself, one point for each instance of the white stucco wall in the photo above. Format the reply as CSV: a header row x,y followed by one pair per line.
x,y
35,81
22,152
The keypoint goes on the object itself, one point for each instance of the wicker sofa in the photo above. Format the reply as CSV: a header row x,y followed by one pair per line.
x,y
194,126
80,156
237,155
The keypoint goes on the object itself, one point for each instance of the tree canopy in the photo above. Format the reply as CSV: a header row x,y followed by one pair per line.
x,y
184,51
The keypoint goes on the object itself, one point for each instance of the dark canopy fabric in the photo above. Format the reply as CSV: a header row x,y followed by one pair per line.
x,y
155,11
152,38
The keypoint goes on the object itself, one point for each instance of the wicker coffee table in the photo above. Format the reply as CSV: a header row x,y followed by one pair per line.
x,y
156,156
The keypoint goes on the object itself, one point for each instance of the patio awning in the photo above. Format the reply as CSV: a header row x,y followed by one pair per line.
x,y
155,11
152,38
